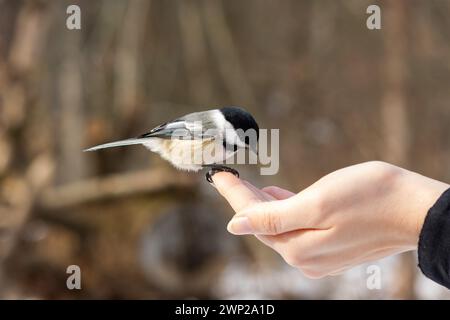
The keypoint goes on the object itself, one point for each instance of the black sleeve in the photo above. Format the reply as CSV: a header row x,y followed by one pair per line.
x,y
434,242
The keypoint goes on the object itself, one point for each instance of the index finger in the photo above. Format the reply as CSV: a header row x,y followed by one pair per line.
x,y
237,192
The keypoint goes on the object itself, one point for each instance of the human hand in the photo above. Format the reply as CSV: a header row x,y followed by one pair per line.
x,y
353,215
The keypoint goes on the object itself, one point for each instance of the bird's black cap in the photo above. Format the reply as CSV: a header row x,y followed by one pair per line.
x,y
240,119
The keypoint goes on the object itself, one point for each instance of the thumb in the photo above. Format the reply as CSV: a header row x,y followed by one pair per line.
x,y
269,218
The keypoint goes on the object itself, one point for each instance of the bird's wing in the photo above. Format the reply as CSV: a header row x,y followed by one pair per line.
x,y
194,126
179,129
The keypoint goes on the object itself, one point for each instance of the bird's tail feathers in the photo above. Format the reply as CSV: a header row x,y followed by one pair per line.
x,y
120,143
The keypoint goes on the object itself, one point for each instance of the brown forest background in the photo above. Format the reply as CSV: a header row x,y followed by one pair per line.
x,y
340,93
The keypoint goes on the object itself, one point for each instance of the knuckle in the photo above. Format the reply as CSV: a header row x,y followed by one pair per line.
x,y
293,260
269,188
382,171
375,163
297,259
313,273
271,222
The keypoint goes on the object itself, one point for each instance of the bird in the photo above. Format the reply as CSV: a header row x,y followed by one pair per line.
x,y
199,140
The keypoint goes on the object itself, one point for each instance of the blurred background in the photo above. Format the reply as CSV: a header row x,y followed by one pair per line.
x,y
340,93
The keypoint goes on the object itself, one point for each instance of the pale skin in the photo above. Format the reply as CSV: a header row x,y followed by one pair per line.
x,y
354,215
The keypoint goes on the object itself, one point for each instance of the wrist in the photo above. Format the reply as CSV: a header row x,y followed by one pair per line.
x,y
418,194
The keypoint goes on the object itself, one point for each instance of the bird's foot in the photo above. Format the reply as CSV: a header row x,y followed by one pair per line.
x,y
217,168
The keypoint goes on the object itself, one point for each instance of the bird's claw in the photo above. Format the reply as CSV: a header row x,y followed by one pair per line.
x,y
213,170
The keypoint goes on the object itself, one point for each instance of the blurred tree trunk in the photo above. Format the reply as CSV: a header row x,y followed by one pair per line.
x,y
195,52
71,130
226,53
24,165
394,116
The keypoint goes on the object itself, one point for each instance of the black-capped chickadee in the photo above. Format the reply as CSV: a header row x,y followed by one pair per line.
x,y
200,139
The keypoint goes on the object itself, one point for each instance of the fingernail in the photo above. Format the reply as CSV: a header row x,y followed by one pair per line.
x,y
239,226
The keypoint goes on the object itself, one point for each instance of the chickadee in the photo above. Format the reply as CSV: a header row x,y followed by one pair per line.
x,y
199,140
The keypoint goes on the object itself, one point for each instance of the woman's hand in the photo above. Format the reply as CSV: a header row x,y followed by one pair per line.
x,y
351,216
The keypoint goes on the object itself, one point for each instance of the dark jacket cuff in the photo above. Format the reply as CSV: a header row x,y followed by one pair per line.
x,y
434,242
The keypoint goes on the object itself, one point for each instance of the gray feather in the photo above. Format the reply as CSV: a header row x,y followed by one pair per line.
x,y
120,143
191,126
